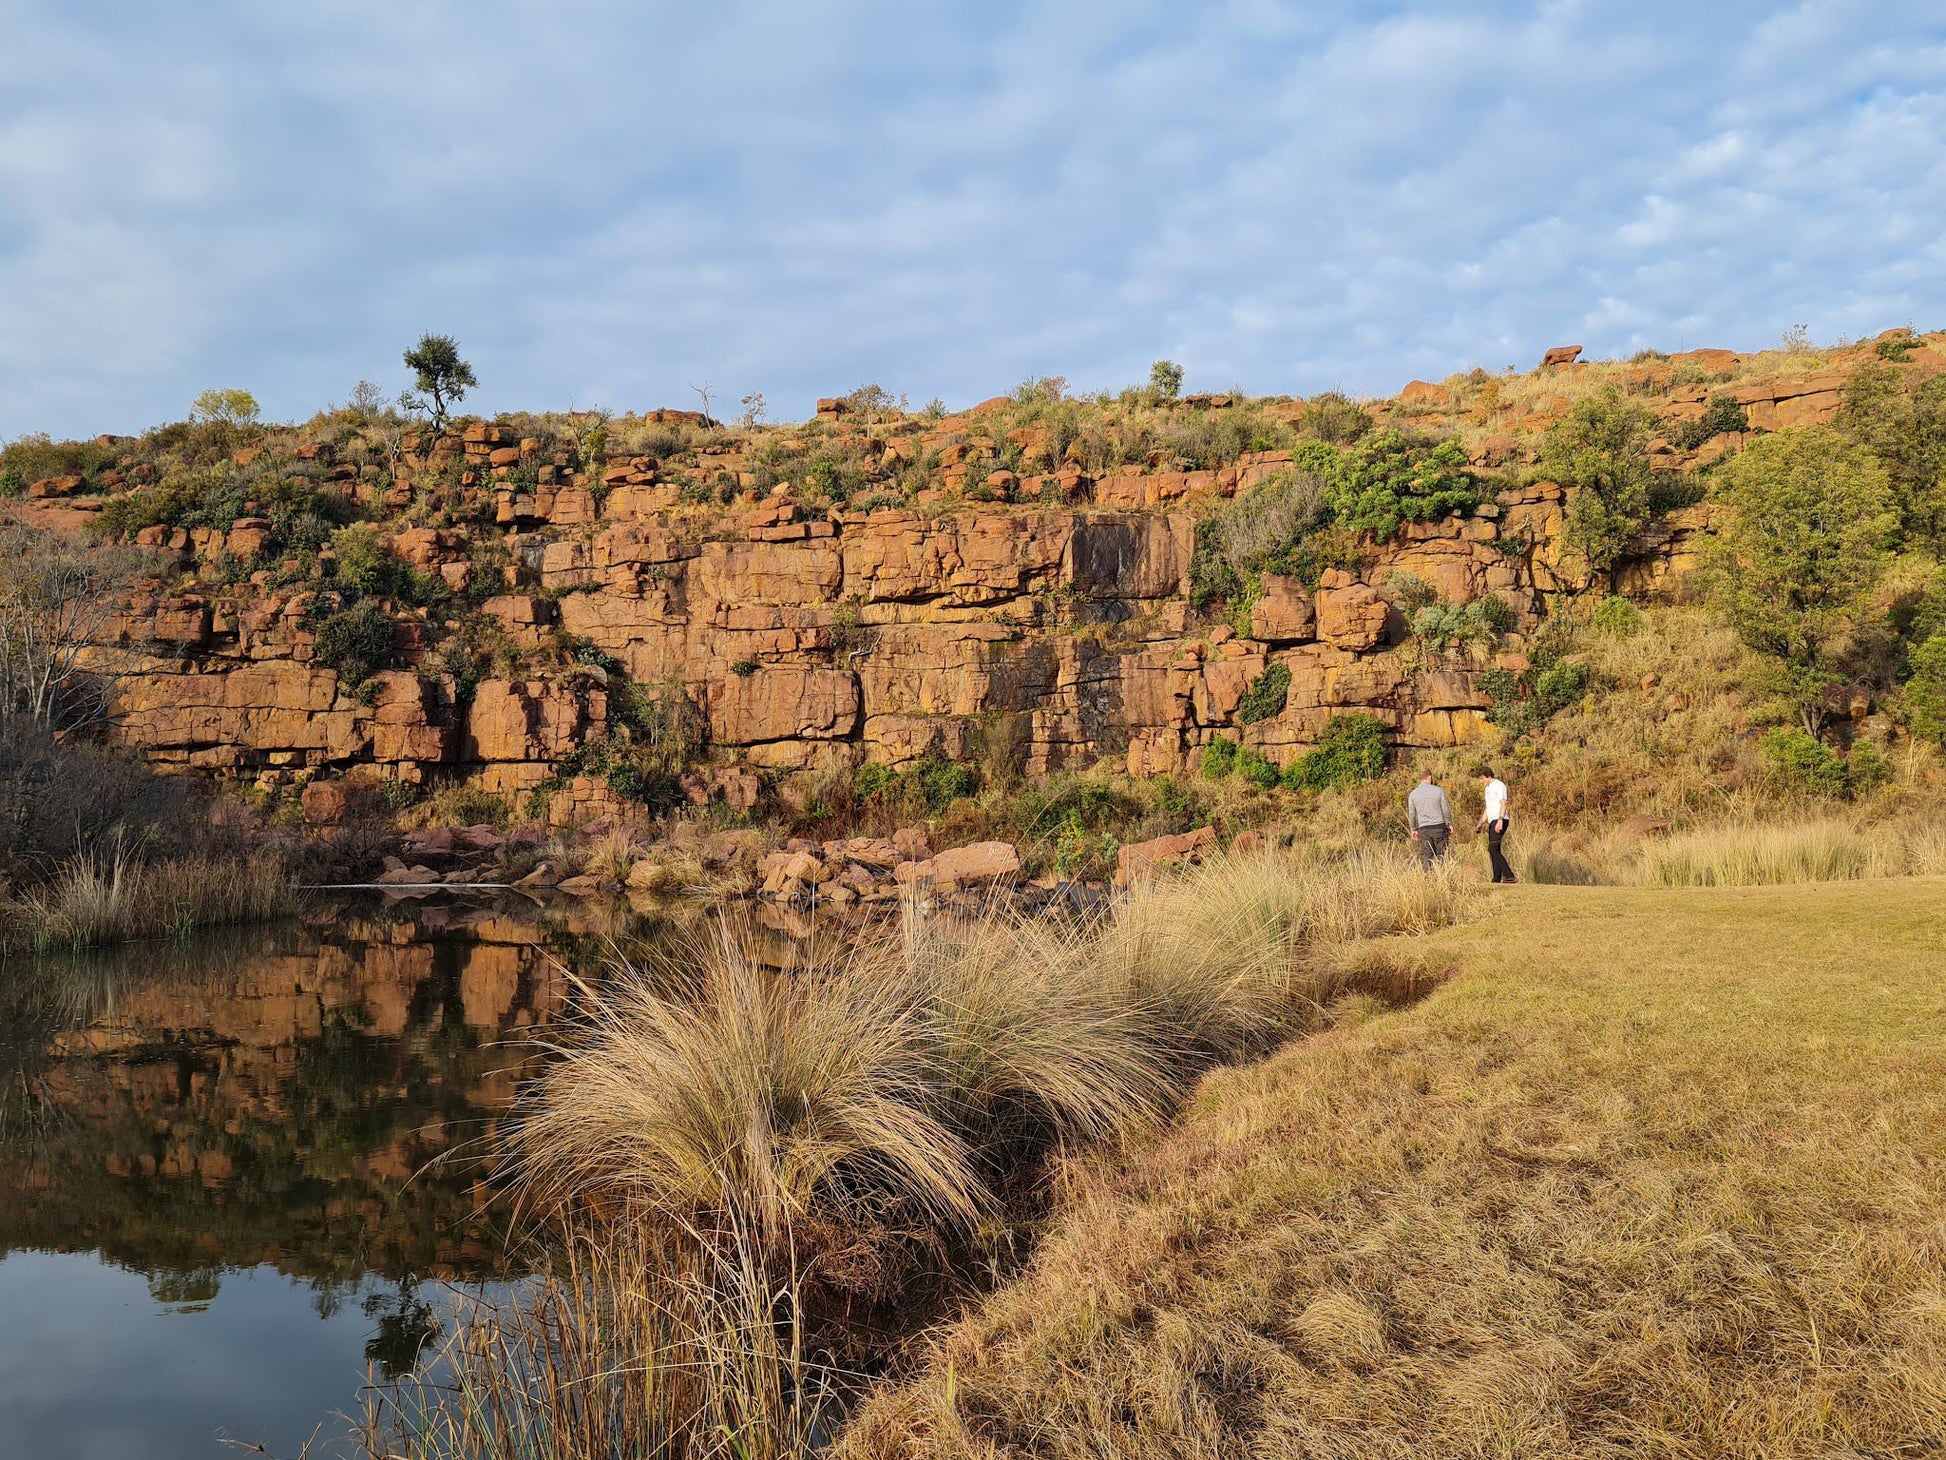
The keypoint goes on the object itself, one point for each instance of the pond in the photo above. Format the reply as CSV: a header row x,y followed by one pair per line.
x,y
241,1171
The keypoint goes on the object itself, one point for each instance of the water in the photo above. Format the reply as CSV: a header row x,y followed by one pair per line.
x,y
240,1171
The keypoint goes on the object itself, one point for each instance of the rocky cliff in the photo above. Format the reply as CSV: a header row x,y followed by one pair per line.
x,y
979,580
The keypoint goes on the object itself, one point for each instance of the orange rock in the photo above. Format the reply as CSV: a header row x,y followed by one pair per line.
x,y
1351,617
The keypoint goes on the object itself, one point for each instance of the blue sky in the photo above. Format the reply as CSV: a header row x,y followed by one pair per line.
x,y
606,203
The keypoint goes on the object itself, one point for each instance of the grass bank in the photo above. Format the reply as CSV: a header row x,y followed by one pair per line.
x,y
1657,1172
770,1177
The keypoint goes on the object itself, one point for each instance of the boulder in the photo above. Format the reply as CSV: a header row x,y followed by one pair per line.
x,y
1351,617
1139,857
1560,355
1284,614
975,865
325,803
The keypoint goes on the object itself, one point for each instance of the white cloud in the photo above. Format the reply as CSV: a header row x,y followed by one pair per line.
x,y
605,201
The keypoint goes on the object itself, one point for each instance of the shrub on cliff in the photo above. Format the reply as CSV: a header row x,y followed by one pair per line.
x,y
1722,414
1351,750
357,643
1266,695
1335,418
1391,478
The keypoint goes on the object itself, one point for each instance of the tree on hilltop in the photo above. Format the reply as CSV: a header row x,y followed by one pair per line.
x,y
443,376
233,408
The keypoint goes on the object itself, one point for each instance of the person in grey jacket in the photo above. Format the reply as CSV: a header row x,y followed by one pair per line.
x,y
1429,817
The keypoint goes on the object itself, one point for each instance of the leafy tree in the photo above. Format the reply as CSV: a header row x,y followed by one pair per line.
x,y
1812,519
443,376
1925,691
1903,422
1600,453
1165,379
233,408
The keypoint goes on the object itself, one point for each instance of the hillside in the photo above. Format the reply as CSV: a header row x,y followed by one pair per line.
x,y
1678,1201
583,613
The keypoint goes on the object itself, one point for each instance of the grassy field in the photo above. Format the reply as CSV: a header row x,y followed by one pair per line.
x,y
1657,1172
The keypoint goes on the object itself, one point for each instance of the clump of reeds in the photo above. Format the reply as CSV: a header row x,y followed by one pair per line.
x,y
621,1348
113,895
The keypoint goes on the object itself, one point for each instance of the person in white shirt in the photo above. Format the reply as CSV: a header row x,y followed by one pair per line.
x,y
1493,820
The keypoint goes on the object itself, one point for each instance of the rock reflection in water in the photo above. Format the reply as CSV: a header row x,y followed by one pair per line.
x,y
280,1097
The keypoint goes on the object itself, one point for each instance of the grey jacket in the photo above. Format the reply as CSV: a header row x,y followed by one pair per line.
x,y
1427,806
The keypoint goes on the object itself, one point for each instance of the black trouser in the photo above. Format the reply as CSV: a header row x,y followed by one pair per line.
x,y
1496,833
1432,845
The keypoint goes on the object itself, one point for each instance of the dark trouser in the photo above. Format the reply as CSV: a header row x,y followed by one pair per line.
x,y
1432,845
1496,833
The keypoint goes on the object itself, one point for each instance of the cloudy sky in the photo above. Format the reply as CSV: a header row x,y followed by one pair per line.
x,y
609,202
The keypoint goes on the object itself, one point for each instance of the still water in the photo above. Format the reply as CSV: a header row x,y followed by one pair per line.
x,y
241,1172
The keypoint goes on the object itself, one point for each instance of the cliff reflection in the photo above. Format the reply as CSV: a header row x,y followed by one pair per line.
x,y
318,1097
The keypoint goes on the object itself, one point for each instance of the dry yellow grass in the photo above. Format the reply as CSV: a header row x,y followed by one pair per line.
x,y
1657,1173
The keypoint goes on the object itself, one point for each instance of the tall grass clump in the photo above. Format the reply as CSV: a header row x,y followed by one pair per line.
x,y
112,895
1750,855
615,1351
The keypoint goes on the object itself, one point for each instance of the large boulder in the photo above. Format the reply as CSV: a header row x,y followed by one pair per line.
x,y
975,865
1351,617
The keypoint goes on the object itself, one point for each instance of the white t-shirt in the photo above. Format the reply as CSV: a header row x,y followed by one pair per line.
x,y
1496,798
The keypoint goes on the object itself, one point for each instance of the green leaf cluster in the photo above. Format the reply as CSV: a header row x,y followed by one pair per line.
x,y
1351,750
1266,695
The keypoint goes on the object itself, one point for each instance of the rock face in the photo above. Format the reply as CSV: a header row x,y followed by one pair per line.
x,y
815,642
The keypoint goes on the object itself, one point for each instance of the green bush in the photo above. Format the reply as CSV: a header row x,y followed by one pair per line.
x,y
1266,695
357,643
1798,761
1219,757
1722,414
1617,616
1334,417
1255,767
1391,478
1559,685
1448,626
1351,749
926,787
1523,703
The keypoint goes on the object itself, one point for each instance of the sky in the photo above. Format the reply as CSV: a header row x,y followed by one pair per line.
x,y
608,204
